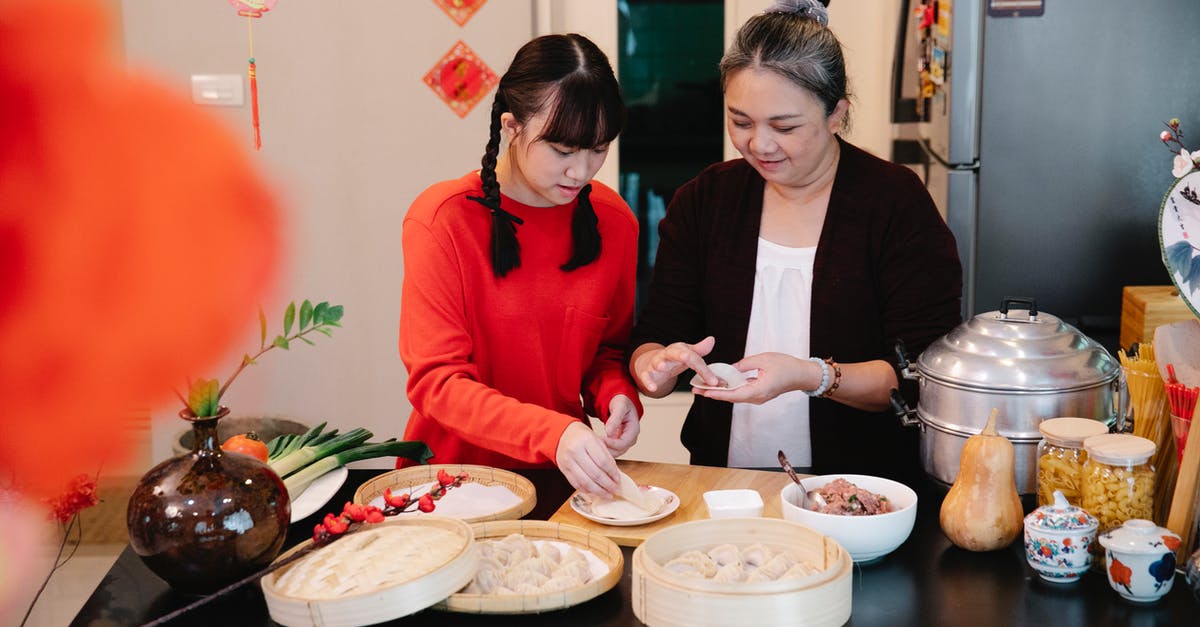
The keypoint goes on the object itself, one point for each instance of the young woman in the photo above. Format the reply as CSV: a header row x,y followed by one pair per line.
x,y
805,260
519,282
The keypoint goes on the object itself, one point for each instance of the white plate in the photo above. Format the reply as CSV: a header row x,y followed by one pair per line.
x,y
581,506
318,493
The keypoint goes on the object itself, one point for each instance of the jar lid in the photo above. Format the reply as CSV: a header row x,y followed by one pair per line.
x,y
1018,350
1070,432
1119,448
1140,536
1061,516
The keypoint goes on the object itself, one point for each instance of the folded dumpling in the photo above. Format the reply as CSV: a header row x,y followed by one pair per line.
x,y
724,554
692,564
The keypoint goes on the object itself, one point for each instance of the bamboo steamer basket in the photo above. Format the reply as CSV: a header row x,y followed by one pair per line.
x,y
384,604
580,538
483,475
661,599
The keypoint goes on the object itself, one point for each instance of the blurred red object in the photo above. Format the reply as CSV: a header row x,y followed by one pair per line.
x,y
136,241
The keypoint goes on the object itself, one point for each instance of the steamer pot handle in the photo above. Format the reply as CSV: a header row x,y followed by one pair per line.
x,y
900,406
902,360
1008,301
1123,425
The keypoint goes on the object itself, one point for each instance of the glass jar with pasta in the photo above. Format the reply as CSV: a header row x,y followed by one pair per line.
x,y
1061,457
1118,480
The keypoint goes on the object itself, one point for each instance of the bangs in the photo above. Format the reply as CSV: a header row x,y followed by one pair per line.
x,y
586,113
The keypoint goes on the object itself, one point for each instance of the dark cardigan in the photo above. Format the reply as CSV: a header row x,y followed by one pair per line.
x,y
886,267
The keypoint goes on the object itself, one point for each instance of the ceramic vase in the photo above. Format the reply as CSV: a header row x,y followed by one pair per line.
x,y
205,519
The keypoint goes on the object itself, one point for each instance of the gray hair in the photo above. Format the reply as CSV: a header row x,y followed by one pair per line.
x,y
788,41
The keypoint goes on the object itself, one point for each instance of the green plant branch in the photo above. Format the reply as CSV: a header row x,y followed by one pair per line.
x,y
204,395
247,359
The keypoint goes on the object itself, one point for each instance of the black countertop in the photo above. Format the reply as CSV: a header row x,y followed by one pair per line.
x,y
927,581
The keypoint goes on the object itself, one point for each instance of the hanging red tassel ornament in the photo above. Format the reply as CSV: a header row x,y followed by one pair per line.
x,y
254,105
251,9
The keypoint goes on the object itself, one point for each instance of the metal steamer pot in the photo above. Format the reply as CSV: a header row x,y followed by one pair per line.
x,y
1031,366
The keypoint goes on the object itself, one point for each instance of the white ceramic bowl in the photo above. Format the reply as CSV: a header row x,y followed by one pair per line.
x,y
733,503
866,538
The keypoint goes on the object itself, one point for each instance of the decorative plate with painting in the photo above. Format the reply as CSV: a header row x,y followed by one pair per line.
x,y
1179,237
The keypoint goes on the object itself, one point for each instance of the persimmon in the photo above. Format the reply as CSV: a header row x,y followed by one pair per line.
x,y
246,444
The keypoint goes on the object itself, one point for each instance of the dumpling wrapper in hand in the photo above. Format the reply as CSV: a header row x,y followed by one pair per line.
x,y
730,376
633,502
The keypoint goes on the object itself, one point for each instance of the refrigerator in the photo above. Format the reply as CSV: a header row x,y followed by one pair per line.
x,y
1036,124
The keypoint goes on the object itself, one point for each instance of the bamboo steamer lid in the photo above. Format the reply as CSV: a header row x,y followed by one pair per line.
x,y
385,603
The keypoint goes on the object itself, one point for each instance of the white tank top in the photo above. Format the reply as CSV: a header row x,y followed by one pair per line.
x,y
779,322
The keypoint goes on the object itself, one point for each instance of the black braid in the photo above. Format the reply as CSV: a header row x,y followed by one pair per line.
x,y
506,251
585,236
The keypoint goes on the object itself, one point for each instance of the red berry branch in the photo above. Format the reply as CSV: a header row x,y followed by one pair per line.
x,y
332,527
354,516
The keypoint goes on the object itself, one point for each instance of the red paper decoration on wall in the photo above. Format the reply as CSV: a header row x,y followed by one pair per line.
x,y
461,79
459,10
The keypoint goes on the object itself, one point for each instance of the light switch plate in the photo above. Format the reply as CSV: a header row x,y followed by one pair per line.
x,y
218,89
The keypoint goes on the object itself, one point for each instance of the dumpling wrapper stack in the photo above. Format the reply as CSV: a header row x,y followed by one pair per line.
x,y
633,503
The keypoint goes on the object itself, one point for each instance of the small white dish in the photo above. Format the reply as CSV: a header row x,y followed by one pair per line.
x,y
583,507
318,493
733,503
732,377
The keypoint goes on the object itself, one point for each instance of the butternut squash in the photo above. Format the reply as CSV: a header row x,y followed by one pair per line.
x,y
982,511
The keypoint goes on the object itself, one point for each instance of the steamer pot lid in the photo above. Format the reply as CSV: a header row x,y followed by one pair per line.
x,y
1018,349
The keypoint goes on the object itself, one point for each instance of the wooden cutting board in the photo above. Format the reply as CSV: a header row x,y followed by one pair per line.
x,y
689,483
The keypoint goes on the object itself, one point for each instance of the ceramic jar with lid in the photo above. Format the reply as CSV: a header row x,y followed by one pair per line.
x,y
1061,456
1140,560
1058,539
1118,480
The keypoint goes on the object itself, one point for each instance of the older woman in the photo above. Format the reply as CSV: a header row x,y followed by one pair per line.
x,y
805,260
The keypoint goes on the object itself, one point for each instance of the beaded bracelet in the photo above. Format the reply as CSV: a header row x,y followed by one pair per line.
x,y
837,377
821,389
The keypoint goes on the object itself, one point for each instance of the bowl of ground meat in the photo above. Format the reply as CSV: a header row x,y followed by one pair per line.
x,y
869,516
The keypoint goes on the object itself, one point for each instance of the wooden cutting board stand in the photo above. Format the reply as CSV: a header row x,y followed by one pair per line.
x,y
689,483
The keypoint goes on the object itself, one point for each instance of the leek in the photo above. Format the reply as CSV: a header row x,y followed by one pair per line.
x,y
302,454
300,479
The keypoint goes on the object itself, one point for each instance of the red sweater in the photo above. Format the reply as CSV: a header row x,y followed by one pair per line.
x,y
497,366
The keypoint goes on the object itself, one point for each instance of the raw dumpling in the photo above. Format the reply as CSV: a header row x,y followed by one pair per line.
x,y
776,567
630,504
546,549
559,583
515,578
729,573
485,582
645,500
518,548
724,554
527,588
692,564
800,569
578,571
756,555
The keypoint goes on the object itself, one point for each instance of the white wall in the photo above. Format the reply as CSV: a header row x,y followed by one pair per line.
x,y
350,136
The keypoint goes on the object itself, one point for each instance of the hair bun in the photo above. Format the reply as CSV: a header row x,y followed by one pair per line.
x,y
811,9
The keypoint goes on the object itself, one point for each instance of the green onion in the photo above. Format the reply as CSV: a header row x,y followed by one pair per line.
x,y
299,480
297,457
